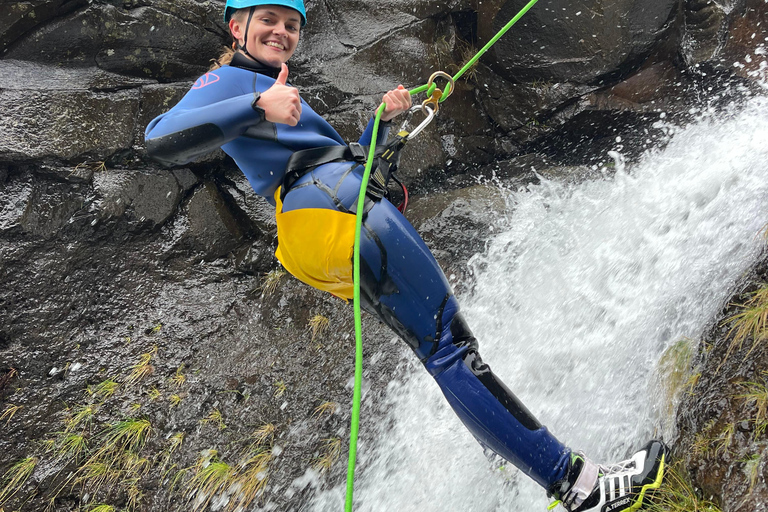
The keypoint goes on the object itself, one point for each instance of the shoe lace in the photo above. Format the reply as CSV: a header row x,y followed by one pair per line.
x,y
618,467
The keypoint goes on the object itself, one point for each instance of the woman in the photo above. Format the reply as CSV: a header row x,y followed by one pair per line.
x,y
250,110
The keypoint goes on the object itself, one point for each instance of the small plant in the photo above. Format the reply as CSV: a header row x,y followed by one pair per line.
x,y
142,368
179,378
83,416
677,494
330,453
270,282
71,446
751,322
280,388
757,393
318,324
130,434
9,411
102,507
105,389
264,433
16,476
325,409
174,400
153,393
751,467
721,443
212,476
215,417
243,481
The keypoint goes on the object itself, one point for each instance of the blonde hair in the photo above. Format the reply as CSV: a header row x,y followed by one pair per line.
x,y
223,59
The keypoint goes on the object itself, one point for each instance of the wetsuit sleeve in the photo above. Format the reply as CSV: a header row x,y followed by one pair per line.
x,y
186,133
381,137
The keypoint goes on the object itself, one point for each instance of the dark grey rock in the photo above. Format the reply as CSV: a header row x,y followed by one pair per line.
x,y
578,41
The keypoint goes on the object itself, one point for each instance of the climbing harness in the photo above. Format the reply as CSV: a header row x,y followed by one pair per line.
x,y
386,159
430,107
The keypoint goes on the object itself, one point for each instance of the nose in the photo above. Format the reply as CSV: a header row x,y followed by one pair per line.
x,y
280,29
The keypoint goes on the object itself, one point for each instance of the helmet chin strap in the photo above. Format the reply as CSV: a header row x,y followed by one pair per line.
x,y
245,37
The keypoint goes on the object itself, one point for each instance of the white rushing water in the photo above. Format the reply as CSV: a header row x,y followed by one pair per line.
x,y
575,302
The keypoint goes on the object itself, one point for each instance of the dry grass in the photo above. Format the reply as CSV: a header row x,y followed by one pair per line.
x,y
329,454
9,412
325,409
14,479
750,322
264,433
318,324
216,417
271,281
105,389
756,393
179,378
142,368
677,494
241,483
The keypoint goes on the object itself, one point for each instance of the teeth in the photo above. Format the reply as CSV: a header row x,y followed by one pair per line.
x,y
276,45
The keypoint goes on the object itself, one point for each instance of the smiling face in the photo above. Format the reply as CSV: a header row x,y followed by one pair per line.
x,y
272,34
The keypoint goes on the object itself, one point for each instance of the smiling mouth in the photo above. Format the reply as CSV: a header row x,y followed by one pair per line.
x,y
273,44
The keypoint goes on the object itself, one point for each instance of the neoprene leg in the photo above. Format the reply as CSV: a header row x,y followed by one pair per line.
x,y
403,285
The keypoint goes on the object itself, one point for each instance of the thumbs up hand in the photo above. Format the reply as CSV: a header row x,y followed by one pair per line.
x,y
281,103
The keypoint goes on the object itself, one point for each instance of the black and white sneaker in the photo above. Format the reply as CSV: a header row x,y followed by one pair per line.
x,y
589,487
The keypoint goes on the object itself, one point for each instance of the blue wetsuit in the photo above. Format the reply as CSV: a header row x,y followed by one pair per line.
x,y
401,281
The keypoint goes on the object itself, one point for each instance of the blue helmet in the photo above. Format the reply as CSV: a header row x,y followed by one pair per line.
x,y
233,5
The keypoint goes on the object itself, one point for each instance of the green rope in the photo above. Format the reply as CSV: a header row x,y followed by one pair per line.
x,y
358,324
471,62
356,394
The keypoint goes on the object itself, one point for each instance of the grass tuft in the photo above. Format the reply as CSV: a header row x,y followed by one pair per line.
x,y
264,433
101,507
757,394
105,389
750,322
8,413
280,388
325,409
179,378
271,281
142,368
175,400
329,455
239,484
16,476
677,494
82,417
216,417
318,325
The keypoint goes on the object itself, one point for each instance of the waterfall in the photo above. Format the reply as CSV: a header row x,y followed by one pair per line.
x,y
575,301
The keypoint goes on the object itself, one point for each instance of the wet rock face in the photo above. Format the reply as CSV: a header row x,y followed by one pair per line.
x,y
721,420
562,40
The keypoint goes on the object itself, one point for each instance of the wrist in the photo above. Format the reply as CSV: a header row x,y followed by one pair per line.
x,y
258,109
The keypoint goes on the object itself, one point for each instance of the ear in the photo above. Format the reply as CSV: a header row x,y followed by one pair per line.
x,y
236,30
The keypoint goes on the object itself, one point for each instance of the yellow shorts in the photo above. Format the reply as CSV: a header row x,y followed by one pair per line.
x,y
316,246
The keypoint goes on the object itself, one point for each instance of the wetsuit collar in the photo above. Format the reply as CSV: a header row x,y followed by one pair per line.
x,y
241,61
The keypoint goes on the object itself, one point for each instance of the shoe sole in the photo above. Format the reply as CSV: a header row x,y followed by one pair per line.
x,y
652,486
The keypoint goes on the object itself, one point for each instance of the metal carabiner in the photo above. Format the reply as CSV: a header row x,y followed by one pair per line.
x,y
430,113
437,94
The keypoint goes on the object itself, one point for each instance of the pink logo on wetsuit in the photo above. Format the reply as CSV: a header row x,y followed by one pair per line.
x,y
206,79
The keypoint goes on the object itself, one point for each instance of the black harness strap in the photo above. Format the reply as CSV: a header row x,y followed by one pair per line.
x,y
387,158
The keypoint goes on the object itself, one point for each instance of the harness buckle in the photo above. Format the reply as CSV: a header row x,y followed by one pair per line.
x,y
359,154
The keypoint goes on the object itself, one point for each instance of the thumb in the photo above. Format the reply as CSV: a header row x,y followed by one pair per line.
x,y
283,76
